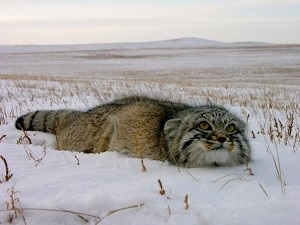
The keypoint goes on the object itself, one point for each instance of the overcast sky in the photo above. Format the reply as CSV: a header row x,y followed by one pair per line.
x,y
92,21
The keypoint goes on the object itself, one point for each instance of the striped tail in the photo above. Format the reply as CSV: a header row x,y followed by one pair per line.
x,y
49,121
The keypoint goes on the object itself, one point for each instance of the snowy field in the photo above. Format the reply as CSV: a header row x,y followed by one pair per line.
x,y
257,81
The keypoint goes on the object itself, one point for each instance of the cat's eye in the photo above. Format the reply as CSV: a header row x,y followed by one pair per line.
x,y
204,126
230,128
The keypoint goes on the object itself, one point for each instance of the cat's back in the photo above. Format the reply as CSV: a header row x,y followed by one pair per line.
x,y
137,104
139,125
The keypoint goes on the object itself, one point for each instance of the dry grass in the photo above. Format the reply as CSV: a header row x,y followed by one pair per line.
x,y
144,169
186,202
15,210
13,206
8,174
276,110
32,156
161,188
24,139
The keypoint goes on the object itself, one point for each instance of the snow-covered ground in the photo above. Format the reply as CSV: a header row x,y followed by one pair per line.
x,y
259,82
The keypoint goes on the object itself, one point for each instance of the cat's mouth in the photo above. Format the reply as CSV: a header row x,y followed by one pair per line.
x,y
220,147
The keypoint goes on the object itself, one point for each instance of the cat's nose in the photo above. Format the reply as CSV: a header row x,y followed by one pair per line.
x,y
221,139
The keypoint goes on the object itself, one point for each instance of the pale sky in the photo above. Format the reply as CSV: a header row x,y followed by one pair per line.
x,y
103,21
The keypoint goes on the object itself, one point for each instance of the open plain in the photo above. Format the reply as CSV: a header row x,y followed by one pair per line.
x,y
259,82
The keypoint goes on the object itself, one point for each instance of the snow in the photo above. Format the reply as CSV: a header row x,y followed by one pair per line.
x,y
102,183
261,81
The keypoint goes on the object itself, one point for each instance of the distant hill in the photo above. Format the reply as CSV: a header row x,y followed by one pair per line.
x,y
188,42
185,42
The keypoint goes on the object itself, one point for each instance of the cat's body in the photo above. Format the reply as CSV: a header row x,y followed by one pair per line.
x,y
148,128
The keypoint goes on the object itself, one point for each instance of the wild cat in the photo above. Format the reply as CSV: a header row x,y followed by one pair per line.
x,y
148,128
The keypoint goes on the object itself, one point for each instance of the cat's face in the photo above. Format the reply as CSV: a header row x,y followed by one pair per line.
x,y
207,136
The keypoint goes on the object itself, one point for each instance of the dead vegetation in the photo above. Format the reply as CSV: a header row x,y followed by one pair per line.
x,y
32,156
24,139
161,188
13,206
144,169
8,174
2,137
15,211
186,201
230,178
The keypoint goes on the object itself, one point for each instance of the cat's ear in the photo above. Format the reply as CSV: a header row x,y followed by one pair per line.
x,y
171,127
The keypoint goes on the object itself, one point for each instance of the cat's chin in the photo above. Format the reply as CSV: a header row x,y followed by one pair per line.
x,y
219,156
